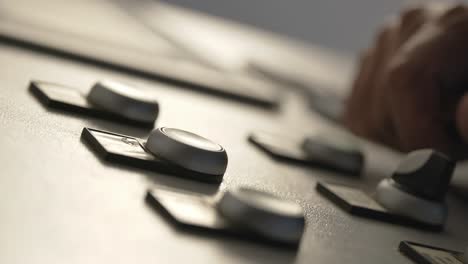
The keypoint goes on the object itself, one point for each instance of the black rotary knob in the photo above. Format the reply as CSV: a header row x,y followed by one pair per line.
x,y
425,173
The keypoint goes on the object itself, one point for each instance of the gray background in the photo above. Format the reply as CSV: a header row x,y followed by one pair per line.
x,y
343,25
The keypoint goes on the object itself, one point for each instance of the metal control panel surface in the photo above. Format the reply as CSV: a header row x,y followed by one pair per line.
x,y
61,204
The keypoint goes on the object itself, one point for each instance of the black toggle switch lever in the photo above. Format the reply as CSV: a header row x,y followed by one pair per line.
x,y
425,173
418,187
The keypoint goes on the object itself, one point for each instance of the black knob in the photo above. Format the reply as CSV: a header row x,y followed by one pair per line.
x,y
425,173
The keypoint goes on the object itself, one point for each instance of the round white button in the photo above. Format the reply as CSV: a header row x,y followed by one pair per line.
x,y
263,213
188,150
123,100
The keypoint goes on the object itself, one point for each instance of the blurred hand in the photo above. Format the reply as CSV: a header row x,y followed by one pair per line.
x,y
410,90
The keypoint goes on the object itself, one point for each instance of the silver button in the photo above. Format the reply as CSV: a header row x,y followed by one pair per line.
x,y
188,150
123,100
263,213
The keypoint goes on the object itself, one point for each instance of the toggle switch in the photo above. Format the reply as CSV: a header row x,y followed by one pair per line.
x,y
263,213
336,150
240,212
167,150
328,150
413,195
107,99
418,187
124,100
425,254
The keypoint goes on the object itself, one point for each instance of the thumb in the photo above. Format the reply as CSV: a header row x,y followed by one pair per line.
x,y
461,117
